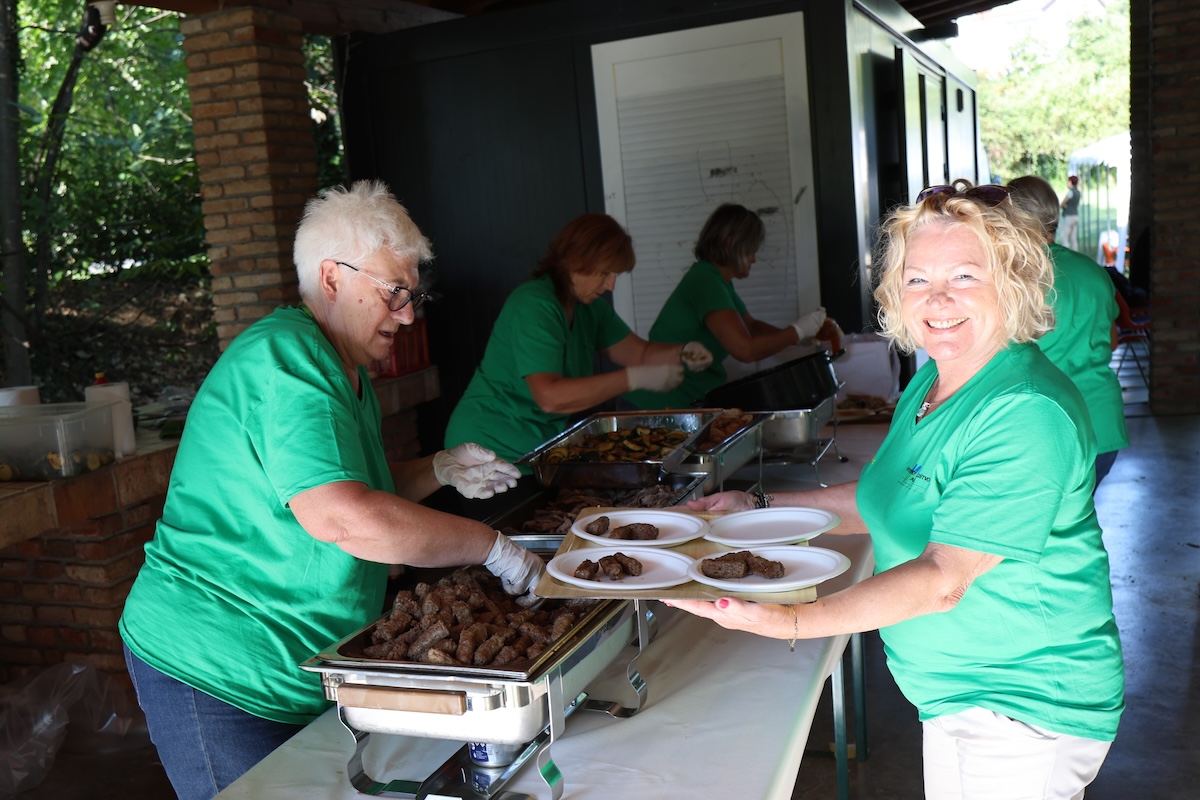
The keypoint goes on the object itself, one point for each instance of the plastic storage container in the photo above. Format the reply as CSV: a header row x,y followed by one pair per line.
x,y
54,440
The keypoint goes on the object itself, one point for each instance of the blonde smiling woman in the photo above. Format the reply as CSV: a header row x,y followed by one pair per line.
x,y
991,591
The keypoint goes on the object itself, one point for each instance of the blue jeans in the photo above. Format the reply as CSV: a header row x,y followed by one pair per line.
x,y
204,744
1104,463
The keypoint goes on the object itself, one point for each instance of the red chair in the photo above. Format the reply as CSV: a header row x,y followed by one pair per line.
x,y
1132,326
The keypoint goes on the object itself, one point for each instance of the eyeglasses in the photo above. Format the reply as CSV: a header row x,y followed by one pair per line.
x,y
988,194
398,296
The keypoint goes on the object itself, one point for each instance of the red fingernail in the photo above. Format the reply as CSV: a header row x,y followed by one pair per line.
x,y
722,603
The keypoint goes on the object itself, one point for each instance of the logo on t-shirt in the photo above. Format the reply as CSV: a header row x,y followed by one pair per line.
x,y
913,479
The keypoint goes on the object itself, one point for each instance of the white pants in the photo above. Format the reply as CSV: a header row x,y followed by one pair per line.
x,y
1068,231
981,755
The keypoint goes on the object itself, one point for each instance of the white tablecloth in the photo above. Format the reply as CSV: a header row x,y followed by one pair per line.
x,y
727,715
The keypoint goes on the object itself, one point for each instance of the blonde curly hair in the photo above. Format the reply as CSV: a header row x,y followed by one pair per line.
x,y
1012,241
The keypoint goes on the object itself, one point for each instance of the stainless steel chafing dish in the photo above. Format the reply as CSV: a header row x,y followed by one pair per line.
x,y
616,474
718,461
790,429
524,705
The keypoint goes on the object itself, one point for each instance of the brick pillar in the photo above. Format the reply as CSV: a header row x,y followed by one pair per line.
x,y
256,154
1175,258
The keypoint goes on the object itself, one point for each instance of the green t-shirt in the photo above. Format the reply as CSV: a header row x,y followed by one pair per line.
x,y
530,336
234,593
1005,467
1080,345
702,291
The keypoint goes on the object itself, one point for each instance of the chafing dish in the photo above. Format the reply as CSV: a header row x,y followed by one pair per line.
x,y
525,705
786,430
800,384
718,461
616,474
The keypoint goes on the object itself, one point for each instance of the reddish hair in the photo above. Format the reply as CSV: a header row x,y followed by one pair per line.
x,y
587,245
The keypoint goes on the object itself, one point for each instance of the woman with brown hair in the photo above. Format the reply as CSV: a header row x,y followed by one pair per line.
x,y
537,369
705,308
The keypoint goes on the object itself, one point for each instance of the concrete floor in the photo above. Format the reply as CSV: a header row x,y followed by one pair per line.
x,y
1151,517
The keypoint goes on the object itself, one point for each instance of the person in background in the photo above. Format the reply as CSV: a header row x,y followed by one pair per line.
x,y
1069,231
283,515
538,367
705,307
1085,308
991,592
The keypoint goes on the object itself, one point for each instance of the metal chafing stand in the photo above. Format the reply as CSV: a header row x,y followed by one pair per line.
x,y
414,699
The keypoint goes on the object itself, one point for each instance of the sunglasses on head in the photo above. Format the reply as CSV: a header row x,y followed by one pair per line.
x,y
988,194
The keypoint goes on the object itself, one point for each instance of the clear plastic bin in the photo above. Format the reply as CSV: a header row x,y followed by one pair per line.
x,y
54,440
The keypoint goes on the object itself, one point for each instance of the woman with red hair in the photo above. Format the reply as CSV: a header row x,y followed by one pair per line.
x,y
538,369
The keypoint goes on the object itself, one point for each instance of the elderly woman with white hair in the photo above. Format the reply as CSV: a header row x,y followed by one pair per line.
x,y
283,514
991,591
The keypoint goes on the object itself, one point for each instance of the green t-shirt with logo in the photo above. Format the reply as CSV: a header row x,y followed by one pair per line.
x,y
1085,307
700,292
530,336
1005,467
234,593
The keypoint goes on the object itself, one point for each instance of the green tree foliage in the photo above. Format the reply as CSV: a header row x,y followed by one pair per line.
x,y
319,67
1051,101
125,192
116,254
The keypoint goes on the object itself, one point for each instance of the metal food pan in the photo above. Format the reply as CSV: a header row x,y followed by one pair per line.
x,y
346,653
472,704
617,474
787,430
718,462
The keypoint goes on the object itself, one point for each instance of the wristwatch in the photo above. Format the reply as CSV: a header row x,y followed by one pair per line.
x,y
762,500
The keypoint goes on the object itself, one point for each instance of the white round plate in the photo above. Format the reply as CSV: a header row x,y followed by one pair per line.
x,y
661,569
802,567
761,527
674,527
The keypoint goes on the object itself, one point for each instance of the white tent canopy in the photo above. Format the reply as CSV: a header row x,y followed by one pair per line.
x,y
1113,153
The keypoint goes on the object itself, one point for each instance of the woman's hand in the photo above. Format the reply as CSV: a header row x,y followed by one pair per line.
x,y
474,471
696,357
808,324
723,501
655,377
771,620
518,569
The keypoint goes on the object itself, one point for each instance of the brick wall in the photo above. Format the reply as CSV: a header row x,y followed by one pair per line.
x,y
1174,60
62,590
255,151
70,549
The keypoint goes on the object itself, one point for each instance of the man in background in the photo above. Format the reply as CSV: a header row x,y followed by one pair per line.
x,y
1068,232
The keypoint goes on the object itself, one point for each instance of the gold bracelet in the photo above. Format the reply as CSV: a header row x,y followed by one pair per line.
x,y
795,631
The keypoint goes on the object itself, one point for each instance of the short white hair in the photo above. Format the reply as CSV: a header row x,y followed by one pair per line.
x,y
350,225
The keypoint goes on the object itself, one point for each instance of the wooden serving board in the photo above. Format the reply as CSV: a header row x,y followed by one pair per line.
x,y
550,586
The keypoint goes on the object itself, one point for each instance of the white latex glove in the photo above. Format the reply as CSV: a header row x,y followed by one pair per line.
x,y
696,357
655,377
808,324
474,471
518,569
